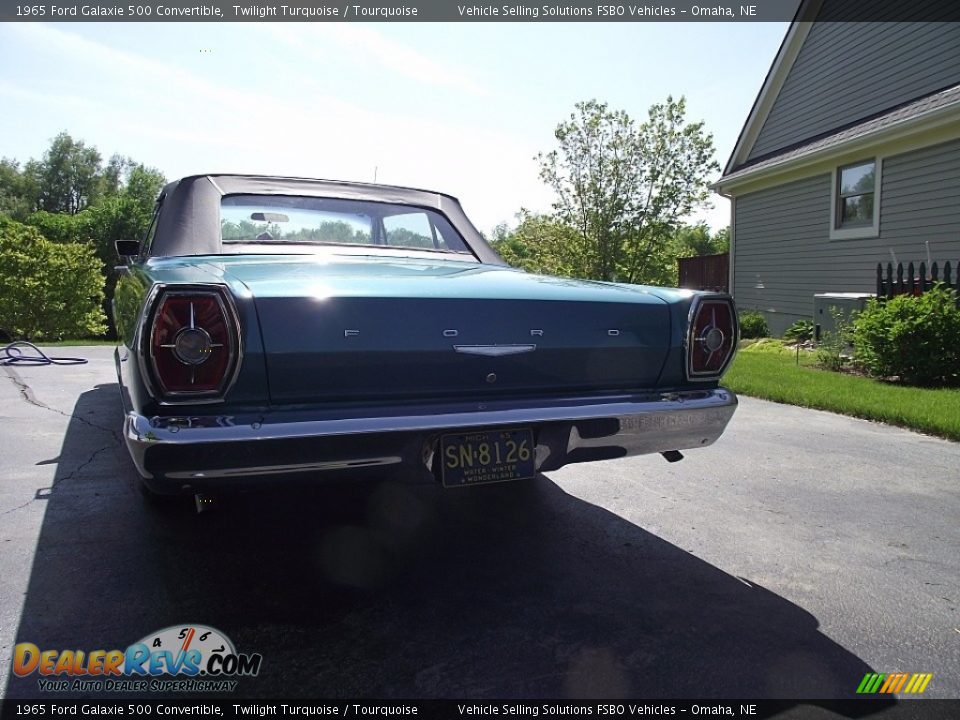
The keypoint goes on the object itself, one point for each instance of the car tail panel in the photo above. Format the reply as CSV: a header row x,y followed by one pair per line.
x,y
360,349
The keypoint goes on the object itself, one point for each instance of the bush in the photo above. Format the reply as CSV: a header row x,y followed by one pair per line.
x,y
914,338
834,347
753,325
48,290
801,331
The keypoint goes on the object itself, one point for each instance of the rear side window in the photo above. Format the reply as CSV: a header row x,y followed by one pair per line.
x,y
419,229
281,219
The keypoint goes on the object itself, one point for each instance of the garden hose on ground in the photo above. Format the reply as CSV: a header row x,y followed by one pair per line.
x,y
13,354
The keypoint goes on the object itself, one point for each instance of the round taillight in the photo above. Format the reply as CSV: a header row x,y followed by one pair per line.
x,y
712,339
193,345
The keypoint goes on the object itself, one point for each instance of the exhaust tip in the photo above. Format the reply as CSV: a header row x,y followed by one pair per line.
x,y
672,456
204,503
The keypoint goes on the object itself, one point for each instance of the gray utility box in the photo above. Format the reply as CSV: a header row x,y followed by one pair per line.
x,y
846,302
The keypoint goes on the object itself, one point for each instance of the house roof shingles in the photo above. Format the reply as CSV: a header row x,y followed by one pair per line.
x,y
911,111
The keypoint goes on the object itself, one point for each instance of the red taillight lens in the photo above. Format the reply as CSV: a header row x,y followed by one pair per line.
x,y
193,343
712,339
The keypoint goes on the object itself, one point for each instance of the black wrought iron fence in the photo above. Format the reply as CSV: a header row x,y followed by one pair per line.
x,y
917,280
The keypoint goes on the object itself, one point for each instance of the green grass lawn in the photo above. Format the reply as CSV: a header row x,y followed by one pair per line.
x,y
769,371
77,343
67,343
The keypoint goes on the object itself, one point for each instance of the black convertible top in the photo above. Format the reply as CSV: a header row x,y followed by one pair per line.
x,y
189,222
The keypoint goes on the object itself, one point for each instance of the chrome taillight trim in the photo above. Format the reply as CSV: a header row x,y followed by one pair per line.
x,y
147,362
691,375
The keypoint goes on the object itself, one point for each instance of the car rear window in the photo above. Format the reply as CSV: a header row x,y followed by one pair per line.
x,y
281,219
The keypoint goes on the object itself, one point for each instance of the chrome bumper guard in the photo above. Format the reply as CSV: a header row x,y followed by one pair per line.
x,y
571,430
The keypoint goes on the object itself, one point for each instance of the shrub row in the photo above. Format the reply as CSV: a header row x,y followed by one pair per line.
x,y
916,339
913,339
48,290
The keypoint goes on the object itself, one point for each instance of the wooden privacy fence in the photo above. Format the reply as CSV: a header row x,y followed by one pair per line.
x,y
916,282
705,272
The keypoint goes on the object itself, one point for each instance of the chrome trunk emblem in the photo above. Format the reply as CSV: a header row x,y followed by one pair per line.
x,y
494,350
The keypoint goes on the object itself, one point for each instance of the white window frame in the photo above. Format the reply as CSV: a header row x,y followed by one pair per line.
x,y
861,231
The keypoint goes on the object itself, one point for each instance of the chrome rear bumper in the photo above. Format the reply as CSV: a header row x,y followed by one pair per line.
x,y
184,452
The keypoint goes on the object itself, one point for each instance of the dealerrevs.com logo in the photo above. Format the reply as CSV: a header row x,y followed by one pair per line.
x,y
180,658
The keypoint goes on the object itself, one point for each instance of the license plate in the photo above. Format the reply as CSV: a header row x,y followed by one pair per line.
x,y
486,457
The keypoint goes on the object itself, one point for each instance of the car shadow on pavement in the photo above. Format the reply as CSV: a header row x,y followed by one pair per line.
x,y
385,590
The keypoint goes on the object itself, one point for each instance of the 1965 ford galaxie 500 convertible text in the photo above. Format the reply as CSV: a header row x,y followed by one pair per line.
x,y
287,328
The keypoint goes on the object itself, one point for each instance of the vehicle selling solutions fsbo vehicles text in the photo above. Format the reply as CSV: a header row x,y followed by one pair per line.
x,y
603,11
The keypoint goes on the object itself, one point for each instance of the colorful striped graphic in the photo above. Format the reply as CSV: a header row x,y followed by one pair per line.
x,y
893,683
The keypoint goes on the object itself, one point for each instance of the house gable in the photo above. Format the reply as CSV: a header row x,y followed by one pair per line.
x,y
831,74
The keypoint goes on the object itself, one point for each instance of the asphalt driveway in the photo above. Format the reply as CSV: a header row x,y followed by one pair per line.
x,y
801,551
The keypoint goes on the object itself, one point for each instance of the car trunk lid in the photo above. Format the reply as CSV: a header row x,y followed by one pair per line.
x,y
395,329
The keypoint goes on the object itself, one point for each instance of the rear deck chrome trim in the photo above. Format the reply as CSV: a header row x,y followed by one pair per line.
x,y
494,350
284,469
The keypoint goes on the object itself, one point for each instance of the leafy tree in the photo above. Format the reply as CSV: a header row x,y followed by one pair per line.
x,y
70,179
249,230
624,188
119,217
59,227
539,244
331,231
69,176
503,241
47,290
721,240
113,177
9,175
143,186
70,198
17,191
404,237
696,240
113,218
124,177
334,231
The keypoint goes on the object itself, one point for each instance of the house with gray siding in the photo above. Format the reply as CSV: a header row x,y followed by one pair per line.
x,y
849,157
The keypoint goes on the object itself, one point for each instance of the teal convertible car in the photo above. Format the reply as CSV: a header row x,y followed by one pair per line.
x,y
281,328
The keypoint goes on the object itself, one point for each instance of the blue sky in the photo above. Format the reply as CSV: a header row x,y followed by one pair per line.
x,y
458,107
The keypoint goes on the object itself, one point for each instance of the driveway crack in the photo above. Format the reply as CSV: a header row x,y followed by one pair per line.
x,y
19,507
26,394
79,468
75,472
